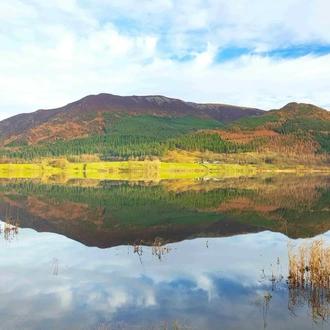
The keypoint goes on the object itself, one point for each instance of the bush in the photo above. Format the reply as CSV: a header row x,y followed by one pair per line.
x,y
60,163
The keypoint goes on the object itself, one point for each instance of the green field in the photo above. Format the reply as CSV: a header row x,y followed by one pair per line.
x,y
141,170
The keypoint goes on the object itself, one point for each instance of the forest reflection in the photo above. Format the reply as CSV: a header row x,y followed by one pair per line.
x,y
109,213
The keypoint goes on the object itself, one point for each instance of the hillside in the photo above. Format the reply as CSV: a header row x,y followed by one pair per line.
x,y
295,129
110,127
293,110
89,116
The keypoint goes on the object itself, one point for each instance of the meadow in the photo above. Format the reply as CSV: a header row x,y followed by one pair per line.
x,y
143,170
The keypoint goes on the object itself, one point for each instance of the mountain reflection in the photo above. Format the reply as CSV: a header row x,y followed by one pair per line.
x,y
222,285
111,213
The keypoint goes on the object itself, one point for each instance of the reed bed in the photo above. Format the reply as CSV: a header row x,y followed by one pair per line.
x,y
309,278
310,266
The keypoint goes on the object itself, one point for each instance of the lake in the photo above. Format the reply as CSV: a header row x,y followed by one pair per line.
x,y
208,253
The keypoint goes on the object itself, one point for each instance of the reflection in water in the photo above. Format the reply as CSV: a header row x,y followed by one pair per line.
x,y
263,303
55,266
212,287
307,284
108,213
157,247
204,272
271,285
8,230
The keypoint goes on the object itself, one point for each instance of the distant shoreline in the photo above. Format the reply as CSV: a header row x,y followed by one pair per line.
x,y
148,169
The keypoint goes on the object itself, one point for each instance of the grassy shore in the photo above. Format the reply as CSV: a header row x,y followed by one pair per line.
x,y
144,170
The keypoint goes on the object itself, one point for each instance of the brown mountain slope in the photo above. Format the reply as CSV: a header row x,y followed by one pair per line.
x,y
293,110
84,116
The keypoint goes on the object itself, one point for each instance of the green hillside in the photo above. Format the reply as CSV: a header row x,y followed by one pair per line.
x,y
295,130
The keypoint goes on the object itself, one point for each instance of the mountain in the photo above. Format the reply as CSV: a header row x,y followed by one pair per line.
x,y
294,110
111,127
294,132
86,116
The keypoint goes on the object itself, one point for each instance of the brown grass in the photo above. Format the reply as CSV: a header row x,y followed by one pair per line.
x,y
9,230
311,265
309,279
245,136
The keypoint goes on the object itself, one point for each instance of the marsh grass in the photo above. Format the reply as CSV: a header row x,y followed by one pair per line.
x,y
309,278
9,228
263,303
157,248
271,282
9,231
310,266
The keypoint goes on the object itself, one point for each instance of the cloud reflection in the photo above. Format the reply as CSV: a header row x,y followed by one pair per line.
x,y
202,285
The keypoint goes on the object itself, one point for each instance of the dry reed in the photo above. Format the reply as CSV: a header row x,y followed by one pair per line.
x,y
157,248
309,278
9,230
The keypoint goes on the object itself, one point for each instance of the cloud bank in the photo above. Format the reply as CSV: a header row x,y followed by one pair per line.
x,y
251,53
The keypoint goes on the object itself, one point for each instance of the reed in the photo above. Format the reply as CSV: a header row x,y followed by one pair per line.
x,y
309,278
157,248
8,230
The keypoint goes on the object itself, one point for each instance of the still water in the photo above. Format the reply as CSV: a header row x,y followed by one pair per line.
x,y
196,254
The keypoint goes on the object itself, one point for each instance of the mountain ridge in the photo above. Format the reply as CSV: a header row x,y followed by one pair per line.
x,y
112,127
79,111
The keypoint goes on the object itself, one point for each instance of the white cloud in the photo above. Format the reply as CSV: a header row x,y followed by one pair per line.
x,y
52,53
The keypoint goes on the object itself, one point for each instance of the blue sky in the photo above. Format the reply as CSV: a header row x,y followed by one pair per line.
x,y
254,53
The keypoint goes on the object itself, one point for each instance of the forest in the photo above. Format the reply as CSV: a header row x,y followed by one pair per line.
x,y
128,137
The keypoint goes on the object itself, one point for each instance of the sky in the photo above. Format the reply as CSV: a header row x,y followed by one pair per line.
x,y
253,53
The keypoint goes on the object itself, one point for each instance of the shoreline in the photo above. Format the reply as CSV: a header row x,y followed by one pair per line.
x,y
150,169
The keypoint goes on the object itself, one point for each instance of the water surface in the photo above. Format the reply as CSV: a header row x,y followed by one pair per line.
x,y
207,254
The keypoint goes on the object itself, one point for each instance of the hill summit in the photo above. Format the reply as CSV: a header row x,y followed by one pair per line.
x,y
293,110
86,116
